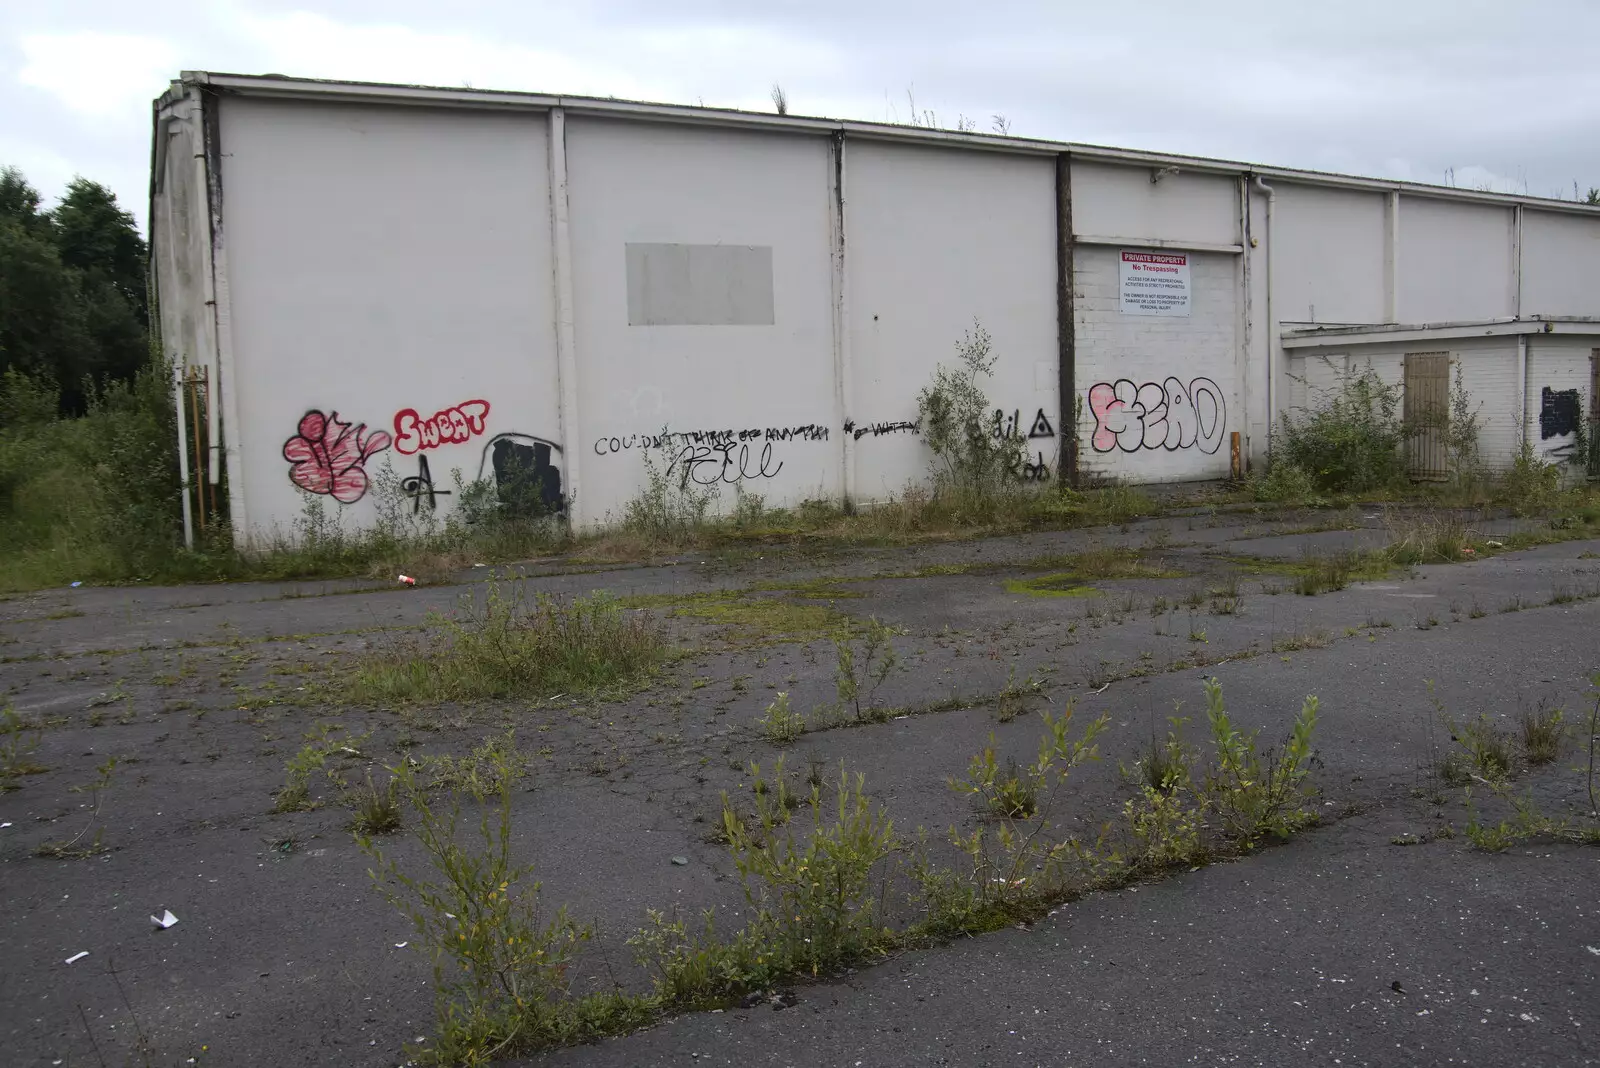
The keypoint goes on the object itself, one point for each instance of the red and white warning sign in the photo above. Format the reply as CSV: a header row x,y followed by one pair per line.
x,y
1154,283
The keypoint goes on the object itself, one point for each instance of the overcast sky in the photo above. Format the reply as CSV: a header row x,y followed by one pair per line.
x,y
1506,94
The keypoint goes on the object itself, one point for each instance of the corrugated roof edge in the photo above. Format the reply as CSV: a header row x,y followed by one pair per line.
x,y
394,93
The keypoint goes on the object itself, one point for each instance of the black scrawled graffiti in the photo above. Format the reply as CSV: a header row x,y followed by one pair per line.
x,y
1010,426
1036,470
877,430
713,438
1559,412
724,461
527,480
420,488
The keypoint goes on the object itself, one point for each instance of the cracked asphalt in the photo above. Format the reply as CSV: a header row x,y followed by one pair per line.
x,y
284,955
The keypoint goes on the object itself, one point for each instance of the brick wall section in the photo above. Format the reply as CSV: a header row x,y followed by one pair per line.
x,y
1488,369
1560,363
1151,348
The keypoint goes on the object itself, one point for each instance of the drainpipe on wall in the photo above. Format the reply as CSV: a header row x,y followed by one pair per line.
x,y
1522,390
1272,326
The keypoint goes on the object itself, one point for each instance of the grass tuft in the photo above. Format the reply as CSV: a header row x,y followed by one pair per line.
x,y
509,646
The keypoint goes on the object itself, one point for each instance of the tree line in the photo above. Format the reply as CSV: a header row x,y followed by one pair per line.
x,y
74,307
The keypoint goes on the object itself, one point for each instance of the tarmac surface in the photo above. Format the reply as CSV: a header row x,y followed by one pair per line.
x,y
1339,947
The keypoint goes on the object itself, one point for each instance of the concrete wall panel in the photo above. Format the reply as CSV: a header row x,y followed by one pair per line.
x,y
1328,255
936,240
1124,202
735,359
1560,263
1455,261
391,300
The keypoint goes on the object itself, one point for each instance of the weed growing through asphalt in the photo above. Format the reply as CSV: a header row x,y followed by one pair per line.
x,y
501,960
376,810
864,661
322,742
1016,860
1255,793
479,773
512,646
780,723
1482,753
1325,574
813,888
1166,762
19,740
1012,699
1011,793
76,846
1544,734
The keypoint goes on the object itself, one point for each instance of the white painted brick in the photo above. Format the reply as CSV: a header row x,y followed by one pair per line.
x,y
1141,348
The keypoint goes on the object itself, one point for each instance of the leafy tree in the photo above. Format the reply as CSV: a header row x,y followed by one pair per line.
x,y
73,309
96,236
19,201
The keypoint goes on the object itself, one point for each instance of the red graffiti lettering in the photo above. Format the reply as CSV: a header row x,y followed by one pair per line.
x,y
412,433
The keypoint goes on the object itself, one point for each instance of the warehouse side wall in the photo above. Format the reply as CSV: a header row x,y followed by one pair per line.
x,y
391,307
750,310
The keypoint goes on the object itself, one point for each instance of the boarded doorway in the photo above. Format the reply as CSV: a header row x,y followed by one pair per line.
x,y
1427,410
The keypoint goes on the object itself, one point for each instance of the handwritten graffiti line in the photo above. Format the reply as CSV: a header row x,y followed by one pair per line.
x,y
1166,415
707,465
709,438
877,430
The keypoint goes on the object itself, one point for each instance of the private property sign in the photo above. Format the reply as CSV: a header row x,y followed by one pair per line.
x,y
1155,283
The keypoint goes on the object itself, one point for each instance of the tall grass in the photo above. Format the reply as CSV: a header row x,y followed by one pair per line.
x,y
512,646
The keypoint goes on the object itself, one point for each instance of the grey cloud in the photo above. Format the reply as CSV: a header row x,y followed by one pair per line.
x,y
1382,88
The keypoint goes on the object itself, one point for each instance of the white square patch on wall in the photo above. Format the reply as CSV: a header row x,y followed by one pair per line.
x,y
699,285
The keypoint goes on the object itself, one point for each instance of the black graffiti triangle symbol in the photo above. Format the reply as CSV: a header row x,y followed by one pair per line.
x,y
1041,426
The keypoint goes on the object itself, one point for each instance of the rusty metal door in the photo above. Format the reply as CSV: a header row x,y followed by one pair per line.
x,y
1427,412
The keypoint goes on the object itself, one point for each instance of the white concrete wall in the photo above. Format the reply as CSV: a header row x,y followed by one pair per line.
x,y
1110,201
1159,394
1455,261
1561,365
1329,248
750,406
1560,264
382,260
937,240
386,260
181,231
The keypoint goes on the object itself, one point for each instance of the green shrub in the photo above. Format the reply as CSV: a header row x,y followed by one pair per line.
x,y
813,889
1284,483
1258,793
501,963
973,460
1530,485
1351,442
